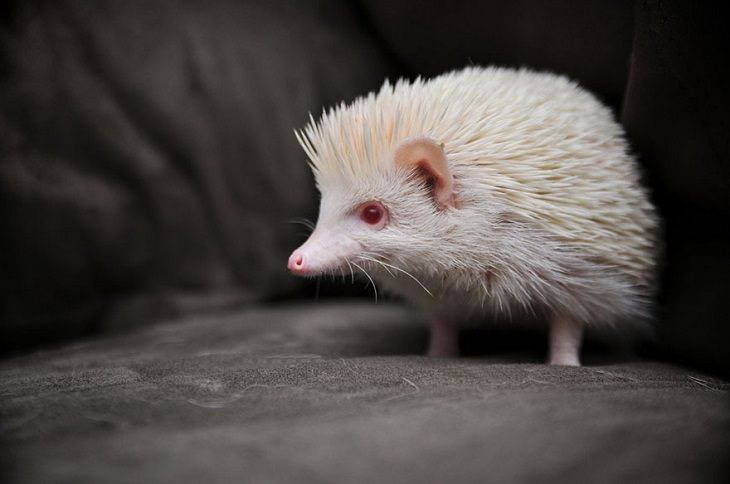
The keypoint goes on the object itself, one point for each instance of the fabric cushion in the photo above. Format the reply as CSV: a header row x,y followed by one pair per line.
x,y
339,393
149,165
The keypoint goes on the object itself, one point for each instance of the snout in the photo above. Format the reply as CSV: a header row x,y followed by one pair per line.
x,y
296,262
304,261
324,251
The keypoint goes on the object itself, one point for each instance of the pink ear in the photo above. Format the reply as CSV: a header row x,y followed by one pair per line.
x,y
428,158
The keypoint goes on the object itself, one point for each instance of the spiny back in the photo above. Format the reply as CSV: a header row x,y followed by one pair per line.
x,y
462,109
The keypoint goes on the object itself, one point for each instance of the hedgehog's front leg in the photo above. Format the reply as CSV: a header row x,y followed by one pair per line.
x,y
566,335
443,339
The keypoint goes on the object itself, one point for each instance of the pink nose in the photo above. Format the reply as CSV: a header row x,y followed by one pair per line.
x,y
296,262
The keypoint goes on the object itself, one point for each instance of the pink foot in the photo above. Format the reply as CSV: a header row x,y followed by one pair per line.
x,y
565,339
444,339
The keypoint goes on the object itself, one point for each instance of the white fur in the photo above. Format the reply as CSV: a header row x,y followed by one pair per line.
x,y
552,216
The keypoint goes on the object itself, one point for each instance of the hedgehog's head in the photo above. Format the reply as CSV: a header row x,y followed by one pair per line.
x,y
387,216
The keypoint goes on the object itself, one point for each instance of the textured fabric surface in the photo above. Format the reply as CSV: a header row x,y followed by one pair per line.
x,y
148,164
337,393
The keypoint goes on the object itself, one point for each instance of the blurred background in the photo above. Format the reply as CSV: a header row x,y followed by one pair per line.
x,y
148,166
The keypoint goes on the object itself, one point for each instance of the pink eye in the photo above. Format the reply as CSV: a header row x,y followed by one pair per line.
x,y
372,213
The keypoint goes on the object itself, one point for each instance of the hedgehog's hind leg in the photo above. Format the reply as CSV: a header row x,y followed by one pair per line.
x,y
566,335
443,338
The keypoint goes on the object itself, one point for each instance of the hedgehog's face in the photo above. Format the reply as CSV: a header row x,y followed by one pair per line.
x,y
384,220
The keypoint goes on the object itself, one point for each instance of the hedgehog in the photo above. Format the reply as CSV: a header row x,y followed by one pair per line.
x,y
486,192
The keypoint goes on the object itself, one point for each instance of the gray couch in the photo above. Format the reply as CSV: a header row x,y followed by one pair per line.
x,y
149,330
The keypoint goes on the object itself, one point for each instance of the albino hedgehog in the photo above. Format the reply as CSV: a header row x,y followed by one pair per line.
x,y
485,191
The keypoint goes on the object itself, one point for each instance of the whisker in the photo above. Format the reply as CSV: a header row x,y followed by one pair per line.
x,y
302,221
375,289
352,273
386,266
